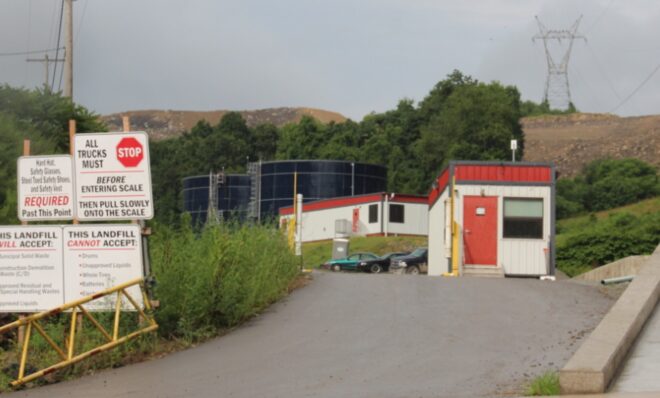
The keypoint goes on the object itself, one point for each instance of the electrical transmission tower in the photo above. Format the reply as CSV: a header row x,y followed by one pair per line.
x,y
557,89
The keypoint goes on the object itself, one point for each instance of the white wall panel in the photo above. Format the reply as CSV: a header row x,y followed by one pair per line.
x,y
436,226
515,256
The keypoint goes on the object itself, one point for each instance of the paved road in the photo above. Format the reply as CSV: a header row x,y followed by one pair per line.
x,y
361,335
642,369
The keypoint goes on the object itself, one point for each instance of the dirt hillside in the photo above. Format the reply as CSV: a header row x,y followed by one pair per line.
x,y
571,141
161,124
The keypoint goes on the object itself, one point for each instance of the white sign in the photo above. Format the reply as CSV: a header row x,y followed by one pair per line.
x,y
100,257
45,188
31,268
45,267
514,145
113,176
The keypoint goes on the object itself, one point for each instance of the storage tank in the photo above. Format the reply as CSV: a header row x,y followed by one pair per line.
x,y
232,196
272,182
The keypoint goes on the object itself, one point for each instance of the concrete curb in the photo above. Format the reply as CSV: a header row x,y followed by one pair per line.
x,y
595,363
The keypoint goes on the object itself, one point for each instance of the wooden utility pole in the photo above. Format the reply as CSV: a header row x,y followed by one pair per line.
x,y
46,62
68,52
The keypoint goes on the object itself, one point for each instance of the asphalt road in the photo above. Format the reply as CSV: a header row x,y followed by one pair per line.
x,y
361,335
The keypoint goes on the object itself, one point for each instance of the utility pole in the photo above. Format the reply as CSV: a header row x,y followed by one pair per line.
x,y
68,52
46,61
557,89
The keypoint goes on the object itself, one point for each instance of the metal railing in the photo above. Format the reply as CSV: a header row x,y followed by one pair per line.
x,y
68,354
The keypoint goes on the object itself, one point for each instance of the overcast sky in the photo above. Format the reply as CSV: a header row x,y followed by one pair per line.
x,y
348,56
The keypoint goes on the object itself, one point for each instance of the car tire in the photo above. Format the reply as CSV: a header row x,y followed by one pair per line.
x,y
413,270
336,267
375,269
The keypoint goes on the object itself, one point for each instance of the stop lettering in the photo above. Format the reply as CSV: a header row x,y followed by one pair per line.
x,y
129,152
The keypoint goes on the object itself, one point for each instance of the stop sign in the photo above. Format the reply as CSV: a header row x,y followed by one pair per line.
x,y
130,152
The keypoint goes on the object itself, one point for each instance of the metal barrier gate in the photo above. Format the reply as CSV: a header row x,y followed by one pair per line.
x,y
68,353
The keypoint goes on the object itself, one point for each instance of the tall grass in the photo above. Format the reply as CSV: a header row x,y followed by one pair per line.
x,y
219,276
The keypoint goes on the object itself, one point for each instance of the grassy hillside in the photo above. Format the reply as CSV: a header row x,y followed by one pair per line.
x,y
316,253
589,241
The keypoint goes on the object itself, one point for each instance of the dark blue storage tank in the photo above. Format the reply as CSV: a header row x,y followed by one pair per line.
x,y
233,196
317,179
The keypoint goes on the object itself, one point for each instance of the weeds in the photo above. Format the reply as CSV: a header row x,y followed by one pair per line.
x,y
546,384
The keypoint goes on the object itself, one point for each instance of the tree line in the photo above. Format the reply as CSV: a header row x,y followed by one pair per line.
x,y
460,118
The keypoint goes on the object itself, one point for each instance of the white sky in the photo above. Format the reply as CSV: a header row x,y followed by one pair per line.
x,y
353,57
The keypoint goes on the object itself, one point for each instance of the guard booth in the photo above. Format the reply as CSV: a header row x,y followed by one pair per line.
x,y
493,219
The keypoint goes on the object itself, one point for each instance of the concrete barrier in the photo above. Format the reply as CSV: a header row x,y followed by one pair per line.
x,y
623,267
595,363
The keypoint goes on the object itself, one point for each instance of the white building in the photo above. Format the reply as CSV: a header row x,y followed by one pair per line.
x,y
504,216
379,214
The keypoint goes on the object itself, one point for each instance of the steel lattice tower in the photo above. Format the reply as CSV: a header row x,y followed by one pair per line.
x,y
557,89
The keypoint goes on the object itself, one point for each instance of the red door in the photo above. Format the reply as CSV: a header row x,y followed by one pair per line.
x,y
356,220
480,230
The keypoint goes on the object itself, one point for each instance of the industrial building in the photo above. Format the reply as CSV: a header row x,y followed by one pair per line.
x,y
502,215
230,196
379,214
259,194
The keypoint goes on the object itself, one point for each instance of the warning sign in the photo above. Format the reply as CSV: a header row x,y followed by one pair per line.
x,y
45,188
100,257
31,269
113,177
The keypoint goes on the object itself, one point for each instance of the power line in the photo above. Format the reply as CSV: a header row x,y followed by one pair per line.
x,y
82,17
59,33
636,89
12,54
602,71
602,14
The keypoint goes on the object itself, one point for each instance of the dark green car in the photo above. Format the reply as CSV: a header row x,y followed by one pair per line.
x,y
348,263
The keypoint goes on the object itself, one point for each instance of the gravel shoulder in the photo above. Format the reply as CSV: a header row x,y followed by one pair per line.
x,y
362,335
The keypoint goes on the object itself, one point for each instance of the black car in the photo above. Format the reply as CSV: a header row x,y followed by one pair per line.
x,y
414,263
381,264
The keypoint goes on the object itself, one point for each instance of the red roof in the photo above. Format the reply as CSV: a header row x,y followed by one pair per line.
x,y
489,172
354,200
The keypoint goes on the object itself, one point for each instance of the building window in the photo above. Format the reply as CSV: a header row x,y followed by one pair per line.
x,y
396,213
523,218
373,214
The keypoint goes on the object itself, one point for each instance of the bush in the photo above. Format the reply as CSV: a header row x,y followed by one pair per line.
x,y
218,277
599,243
606,184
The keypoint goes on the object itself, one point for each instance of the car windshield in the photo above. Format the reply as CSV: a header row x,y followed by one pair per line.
x,y
390,255
418,252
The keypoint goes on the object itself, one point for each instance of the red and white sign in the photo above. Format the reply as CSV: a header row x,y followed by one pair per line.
x,y
45,188
130,152
31,268
98,257
113,176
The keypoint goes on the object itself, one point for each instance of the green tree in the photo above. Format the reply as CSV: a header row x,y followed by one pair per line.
x,y
473,121
49,113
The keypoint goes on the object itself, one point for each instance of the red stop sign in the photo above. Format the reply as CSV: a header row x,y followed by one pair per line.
x,y
130,152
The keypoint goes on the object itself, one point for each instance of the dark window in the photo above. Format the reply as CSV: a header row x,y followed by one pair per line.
x,y
396,213
523,218
373,214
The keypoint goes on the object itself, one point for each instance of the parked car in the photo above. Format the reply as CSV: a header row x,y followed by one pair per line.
x,y
380,264
348,263
414,263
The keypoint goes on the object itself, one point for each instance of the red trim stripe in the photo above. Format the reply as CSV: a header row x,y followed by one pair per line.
x,y
332,203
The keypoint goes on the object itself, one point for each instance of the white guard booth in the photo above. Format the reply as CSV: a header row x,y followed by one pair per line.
x,y
505,216
378,214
